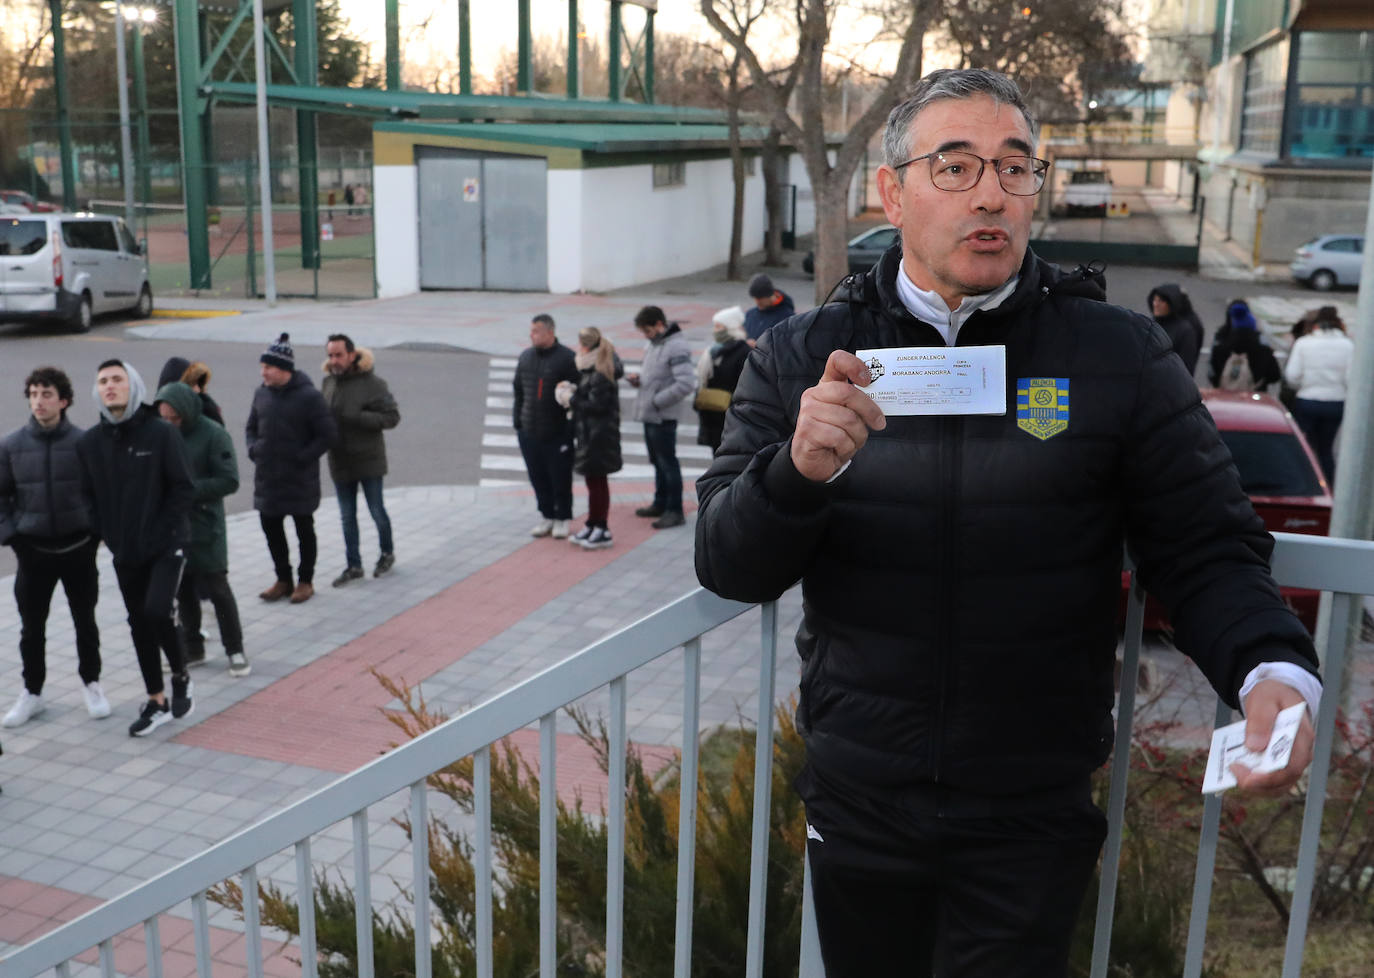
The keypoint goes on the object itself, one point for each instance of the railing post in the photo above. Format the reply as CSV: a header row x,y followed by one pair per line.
x,y
481,809
548,845
687,807
152,947
419,849
1121,766
615,834
200,921
305,903
811,965
1310,840
252,930
763,795
1206,867
362,893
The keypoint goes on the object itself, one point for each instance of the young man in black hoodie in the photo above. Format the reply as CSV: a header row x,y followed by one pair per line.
x,y
137,484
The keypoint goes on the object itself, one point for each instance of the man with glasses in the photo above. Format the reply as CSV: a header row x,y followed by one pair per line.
x,y
960,553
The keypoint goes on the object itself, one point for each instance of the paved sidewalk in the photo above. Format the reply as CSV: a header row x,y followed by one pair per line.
x,y
473,606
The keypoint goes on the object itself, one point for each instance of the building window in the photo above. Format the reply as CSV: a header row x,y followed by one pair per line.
x,y
1262,114
1332,96
670,175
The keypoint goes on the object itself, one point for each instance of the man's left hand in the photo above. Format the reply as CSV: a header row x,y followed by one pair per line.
x,y
1262,706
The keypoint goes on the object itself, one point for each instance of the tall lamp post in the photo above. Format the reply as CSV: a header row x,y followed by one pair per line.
x,y
145,18
126,152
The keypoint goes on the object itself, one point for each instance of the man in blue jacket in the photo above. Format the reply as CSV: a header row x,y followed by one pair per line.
x,y
771,306
44,517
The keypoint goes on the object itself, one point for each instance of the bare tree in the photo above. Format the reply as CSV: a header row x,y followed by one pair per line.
x,y
905,25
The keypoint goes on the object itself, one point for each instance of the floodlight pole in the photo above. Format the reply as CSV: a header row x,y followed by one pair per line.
x,y
64,119
126,148
269,263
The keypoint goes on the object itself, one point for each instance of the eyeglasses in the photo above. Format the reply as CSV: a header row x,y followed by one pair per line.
x,y
1021,176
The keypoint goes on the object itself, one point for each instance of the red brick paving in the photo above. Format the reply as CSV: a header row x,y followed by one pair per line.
x,y
29,910
329,714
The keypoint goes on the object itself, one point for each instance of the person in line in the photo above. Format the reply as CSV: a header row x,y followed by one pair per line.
x,y
665,381
1173,310
595,406
363,409
214,475
138,487
771,306
718,370
289,428
1318,370
196,375
961,572
45,518
1241,360
542,427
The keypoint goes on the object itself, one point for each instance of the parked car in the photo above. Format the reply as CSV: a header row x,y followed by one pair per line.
x,y
1278,471
864,250
1088,190
70,268
27,201
1329,260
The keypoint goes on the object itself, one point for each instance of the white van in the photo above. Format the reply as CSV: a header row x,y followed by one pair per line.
x,y
70,268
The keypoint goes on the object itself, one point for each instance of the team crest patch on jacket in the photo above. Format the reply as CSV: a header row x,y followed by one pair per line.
x,y
1042,405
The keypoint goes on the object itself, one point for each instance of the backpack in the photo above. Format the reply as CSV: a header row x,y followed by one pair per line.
x,y
1236,374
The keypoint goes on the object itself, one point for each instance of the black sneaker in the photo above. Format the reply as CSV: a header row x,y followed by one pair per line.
x,y
384,563
598,539
152,716
668,520
349,575
195,654
182,703
650,510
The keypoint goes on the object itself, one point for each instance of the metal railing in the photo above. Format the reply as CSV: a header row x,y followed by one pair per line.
x,y
1340,566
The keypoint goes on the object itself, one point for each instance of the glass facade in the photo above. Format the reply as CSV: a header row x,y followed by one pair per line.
x,y
1331,96
1261,125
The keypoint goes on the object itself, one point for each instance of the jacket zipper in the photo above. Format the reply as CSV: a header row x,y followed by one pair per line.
x,y
950,456
52,499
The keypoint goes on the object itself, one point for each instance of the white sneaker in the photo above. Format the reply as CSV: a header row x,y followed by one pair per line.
x,y
96,703
542,529
238,665
560,529
25,709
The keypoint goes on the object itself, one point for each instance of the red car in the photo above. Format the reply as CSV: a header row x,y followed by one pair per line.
x,y
1279,472
24,199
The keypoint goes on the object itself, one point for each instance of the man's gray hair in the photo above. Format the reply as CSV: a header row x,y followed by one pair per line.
x,y
948,83
545,320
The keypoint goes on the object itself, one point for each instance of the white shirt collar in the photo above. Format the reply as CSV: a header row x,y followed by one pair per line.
x,y
930,308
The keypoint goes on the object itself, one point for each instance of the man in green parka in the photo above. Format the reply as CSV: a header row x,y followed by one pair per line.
x,y
214,474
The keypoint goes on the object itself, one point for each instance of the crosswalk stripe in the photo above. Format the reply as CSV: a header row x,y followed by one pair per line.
x,y
634,470
628,446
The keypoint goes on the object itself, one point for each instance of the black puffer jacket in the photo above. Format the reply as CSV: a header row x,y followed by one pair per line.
x,y
961,578
1182,326
40,485
537,373
289,428
596,423
137,481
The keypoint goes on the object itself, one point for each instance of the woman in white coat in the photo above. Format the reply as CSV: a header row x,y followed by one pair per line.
x,y
1317,367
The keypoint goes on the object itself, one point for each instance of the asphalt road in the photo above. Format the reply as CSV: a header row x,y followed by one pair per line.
x,y
442,397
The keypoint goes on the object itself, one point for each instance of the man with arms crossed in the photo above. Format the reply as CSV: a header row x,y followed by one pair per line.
x,y
137,483
44,517
961,572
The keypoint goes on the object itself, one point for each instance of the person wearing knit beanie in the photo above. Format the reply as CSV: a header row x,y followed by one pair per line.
x,y
289,428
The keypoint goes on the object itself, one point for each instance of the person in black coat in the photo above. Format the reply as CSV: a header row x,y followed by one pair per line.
x,y
719,369
289,428
1241,334
542,426
1173,310
137,482
595,406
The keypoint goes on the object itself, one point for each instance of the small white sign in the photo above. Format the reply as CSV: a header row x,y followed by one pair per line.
x,y
326,232
934,380
470,186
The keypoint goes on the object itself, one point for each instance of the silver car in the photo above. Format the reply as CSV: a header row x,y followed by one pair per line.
x,y
1328,261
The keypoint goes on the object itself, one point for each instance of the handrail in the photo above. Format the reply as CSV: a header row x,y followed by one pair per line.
x,y
1344,567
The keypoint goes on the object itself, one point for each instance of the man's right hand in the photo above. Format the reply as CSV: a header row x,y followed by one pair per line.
x,y
632,379
835,418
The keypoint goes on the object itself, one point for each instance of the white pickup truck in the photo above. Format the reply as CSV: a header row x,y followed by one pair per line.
x,y
1088,190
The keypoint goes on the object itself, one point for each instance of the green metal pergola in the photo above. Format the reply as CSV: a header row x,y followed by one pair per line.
x,y
208,62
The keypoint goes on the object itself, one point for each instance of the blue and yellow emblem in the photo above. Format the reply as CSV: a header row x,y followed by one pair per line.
x,y
1042,405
